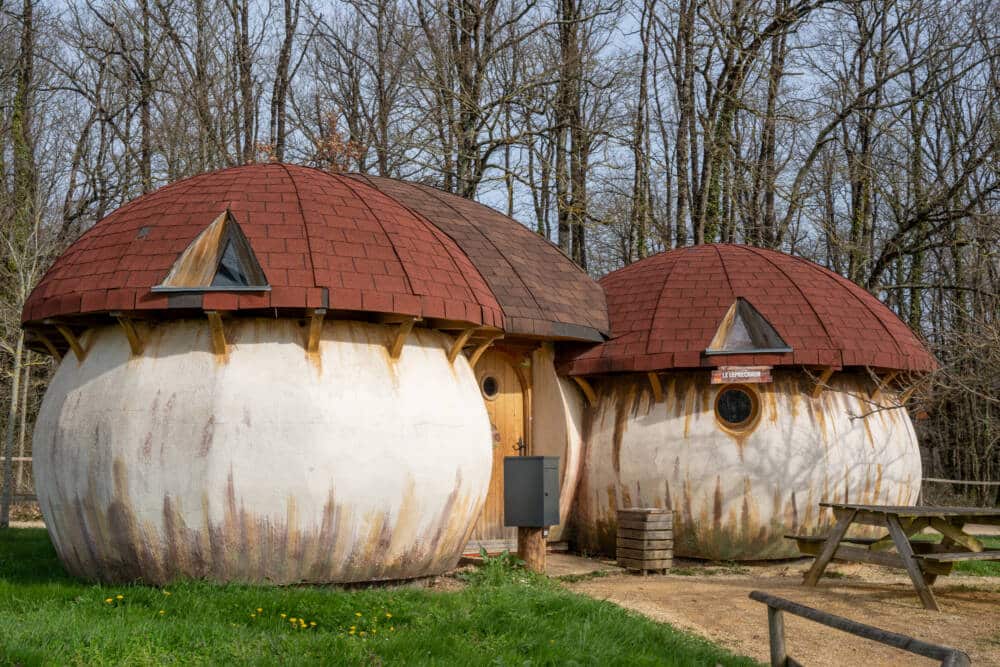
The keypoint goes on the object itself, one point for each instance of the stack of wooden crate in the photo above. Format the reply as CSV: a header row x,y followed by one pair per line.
x,y
645,539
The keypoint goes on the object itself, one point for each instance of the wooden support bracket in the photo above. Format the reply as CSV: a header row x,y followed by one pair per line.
x,y
883,383
654,382
588,390
218,332
315,330
907,395
821,381
460,341
131,333
405,327
74,342
49,346
478,352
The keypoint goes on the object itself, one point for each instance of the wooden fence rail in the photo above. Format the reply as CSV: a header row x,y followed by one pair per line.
x,y
948,657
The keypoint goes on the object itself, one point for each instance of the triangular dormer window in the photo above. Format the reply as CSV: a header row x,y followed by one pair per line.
x,y
219,259
744,330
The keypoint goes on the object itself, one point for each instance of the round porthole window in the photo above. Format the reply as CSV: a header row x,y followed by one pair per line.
x,y
490,386
737,406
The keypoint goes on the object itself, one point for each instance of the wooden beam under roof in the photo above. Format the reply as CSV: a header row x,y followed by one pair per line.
x,y
403,330
587,389
821,381
131,333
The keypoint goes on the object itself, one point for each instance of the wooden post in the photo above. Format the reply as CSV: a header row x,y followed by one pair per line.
x,y
531,548
836,534
909,562
776,631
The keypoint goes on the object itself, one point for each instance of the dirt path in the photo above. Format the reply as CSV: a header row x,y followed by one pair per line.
x,y
715,605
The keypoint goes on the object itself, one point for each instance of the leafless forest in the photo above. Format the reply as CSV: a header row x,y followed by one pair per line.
x,y
862,134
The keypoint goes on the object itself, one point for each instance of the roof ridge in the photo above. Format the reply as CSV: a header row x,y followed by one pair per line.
x,y
305,224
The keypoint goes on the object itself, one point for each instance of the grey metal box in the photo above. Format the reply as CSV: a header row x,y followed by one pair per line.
x,y
531,491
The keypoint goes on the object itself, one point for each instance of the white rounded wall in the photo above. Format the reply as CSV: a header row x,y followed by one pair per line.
x,y
557,418
735,493
267,463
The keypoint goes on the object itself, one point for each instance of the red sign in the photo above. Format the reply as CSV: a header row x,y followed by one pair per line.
x,y
746,374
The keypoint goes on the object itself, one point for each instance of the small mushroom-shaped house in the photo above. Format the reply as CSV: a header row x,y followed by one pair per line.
x,y
272,373
742,387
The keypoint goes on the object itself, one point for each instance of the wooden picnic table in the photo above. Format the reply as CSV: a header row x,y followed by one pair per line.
x,y
922,560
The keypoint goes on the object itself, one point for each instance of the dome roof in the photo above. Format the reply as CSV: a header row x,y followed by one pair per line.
x,y
277,236
542,292
679,308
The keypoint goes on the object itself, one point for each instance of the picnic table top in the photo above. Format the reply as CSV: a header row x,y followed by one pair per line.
x,y
919,510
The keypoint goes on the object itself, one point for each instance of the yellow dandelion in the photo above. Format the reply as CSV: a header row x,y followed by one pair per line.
x,y
166,593
293,619
358,614
353,627
283,615
388,615
363,633
253,615
259,610
312,624
119,597
162,612
392,629
351,632
109,600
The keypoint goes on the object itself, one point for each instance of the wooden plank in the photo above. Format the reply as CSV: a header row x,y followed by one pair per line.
x,y
315,330
821,381
656,386
635,564
910,563
460,341
959,556
72,341
663,524
131,333
218,333
645,554
844,520
645,511
49,346
859,555
483,346
404,329
957,535
644,544
919,510
944,654
632,534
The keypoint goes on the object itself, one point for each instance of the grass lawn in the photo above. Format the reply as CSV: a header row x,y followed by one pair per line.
x,y
973,567
502,616
982,568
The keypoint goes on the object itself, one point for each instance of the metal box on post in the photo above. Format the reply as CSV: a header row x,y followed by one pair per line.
x,y
531,491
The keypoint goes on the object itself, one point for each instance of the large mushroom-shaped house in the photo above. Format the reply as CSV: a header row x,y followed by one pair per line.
x,y
742,387
272,373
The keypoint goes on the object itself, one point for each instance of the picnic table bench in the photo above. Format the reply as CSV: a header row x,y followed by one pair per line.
x,y
922,560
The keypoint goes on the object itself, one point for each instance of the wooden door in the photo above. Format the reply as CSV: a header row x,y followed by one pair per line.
x,y
503,393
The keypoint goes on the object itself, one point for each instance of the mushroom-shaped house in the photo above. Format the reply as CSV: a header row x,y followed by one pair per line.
x,y
742,387
272,373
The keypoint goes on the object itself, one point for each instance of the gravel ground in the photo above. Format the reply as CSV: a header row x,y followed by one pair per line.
x,y
713,601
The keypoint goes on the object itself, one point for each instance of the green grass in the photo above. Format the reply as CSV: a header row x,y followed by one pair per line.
x,y
975,568
502,615
982,568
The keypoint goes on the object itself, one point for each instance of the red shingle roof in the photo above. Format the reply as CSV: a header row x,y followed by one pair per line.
x,y
665,309
542,292
322,240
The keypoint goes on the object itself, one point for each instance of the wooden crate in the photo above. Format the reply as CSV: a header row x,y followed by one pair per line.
x,y
645,539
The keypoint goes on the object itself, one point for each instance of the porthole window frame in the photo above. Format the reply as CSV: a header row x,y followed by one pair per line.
x,y
751,421
482,386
